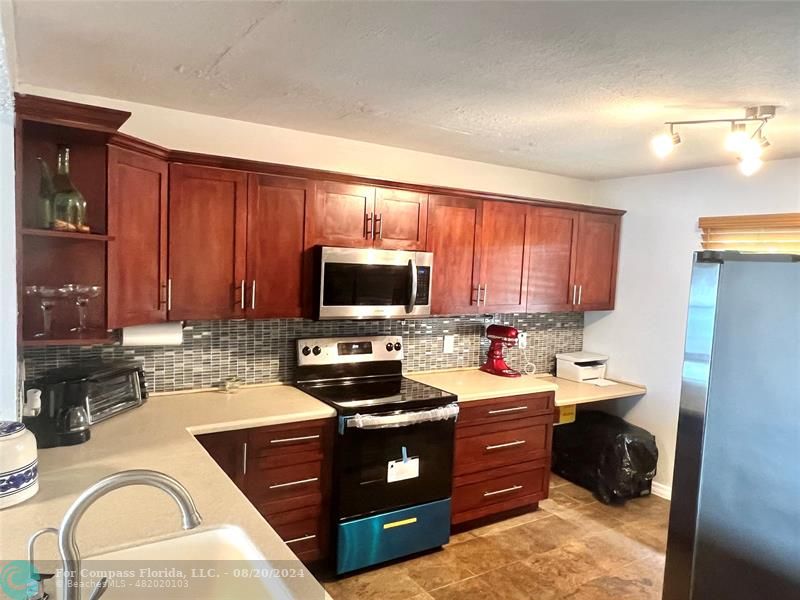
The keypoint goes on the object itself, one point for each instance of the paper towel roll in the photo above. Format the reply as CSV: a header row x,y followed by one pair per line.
x,y
158,334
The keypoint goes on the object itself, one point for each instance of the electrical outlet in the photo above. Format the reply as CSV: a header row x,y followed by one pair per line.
x,y
448,346
522,339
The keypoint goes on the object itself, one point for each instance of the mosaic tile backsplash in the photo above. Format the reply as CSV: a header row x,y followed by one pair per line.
x,y
264,351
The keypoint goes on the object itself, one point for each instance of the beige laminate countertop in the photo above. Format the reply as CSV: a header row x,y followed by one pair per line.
x,y
473,384
158,435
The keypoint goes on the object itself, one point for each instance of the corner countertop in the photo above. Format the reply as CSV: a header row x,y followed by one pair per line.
x,y
158,435
473,384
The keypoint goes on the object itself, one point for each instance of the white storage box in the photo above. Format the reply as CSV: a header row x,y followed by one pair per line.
x,y
581,366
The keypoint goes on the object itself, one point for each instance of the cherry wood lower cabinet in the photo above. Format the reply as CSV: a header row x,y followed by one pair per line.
x,y
502,455
285,471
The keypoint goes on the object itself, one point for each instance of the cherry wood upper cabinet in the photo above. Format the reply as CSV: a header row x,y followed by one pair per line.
x,y
342,215
504,256
277,261
553,235
137,252
454,233
596,261
207,228
401,219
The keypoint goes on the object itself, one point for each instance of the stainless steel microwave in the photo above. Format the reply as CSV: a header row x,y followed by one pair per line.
x,y
365,283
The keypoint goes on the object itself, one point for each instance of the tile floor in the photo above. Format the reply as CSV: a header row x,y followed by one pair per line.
x,y
572,548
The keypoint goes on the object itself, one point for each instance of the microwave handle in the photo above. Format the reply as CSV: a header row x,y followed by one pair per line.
x,y
412,296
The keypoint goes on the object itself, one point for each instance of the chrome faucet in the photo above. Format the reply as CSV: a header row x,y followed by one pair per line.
x,y
70,555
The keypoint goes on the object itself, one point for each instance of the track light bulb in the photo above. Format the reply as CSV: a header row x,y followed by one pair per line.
x,y
663,144
737,138
751,148
749,165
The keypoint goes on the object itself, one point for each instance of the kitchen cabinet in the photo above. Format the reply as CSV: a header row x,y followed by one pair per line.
x,y
359,216
502,455
454,237
596,255
552,263
504,256
137,250
207,227
278,259
285,471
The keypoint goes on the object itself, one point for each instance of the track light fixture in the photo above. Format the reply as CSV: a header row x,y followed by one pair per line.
x,y
747,146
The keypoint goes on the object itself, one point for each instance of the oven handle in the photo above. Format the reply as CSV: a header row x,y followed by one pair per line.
x,y
403,419
412,296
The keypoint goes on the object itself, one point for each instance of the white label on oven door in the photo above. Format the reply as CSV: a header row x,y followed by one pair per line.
x,y
400,470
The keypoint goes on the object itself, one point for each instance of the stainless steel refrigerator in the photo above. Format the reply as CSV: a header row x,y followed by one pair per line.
x,y
734,529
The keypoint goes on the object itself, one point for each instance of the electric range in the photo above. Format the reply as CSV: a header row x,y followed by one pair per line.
x,y
393,455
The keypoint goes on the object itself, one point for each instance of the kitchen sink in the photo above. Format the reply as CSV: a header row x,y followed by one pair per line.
x,y
214,563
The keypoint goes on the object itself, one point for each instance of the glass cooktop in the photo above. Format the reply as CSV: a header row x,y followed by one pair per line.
x,y
377,395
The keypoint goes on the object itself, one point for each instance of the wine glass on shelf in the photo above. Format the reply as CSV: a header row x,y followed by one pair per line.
x,y
83,294
47,300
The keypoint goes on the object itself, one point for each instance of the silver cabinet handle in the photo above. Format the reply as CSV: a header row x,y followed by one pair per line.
x,y
506,445
294,439
574,292
253,295
485,293
169,294
580,294
500,411
291,483
513,488
479,295
244,458
301,539
241,288
378,222
368,226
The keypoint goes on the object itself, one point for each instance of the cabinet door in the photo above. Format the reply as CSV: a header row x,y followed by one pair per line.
x,y
454,233
504,256
207,224
552,264
401,219
596,261
229,451
277,261
342,215
137,254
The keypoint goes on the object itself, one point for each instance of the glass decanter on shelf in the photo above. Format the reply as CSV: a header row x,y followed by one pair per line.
x,y
69,205
46,193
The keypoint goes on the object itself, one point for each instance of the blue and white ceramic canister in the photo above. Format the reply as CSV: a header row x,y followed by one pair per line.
x,y
19,466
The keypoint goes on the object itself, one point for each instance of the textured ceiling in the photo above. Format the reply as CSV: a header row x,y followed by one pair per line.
x,y
563,87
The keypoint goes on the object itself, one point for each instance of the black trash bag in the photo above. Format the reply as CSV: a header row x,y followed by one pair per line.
x,y
607,455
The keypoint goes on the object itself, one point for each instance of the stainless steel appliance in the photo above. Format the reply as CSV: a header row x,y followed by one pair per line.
x,y
364,283
734,530
393,456
73,398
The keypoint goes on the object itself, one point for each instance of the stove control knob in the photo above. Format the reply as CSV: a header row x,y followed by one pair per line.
x,y
389,346
306,350
317,350
397,346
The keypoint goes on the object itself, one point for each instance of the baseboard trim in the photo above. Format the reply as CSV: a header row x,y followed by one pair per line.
x,y
662,491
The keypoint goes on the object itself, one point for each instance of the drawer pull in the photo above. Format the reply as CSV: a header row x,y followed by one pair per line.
x,y
506,445
513,488
294,439
500,411
301,539
291,483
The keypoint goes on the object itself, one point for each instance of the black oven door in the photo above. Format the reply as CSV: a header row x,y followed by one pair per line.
x,y
386,462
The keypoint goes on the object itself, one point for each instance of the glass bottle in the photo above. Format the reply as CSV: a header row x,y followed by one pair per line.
x,y
69,205
46,193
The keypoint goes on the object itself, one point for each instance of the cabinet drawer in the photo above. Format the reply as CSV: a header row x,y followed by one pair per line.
x,y
308,438
303,537
505,409
504,489
283,482
483,447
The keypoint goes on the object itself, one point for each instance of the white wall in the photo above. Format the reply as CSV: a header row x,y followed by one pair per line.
x,y
644,335
8,304
180,130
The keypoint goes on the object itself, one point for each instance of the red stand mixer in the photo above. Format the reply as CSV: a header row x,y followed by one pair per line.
x,y
501,336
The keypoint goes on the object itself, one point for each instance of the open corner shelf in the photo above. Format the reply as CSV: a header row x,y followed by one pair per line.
x,y
67,235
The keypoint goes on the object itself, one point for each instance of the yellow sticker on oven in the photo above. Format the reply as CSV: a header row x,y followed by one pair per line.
x,y
400,470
